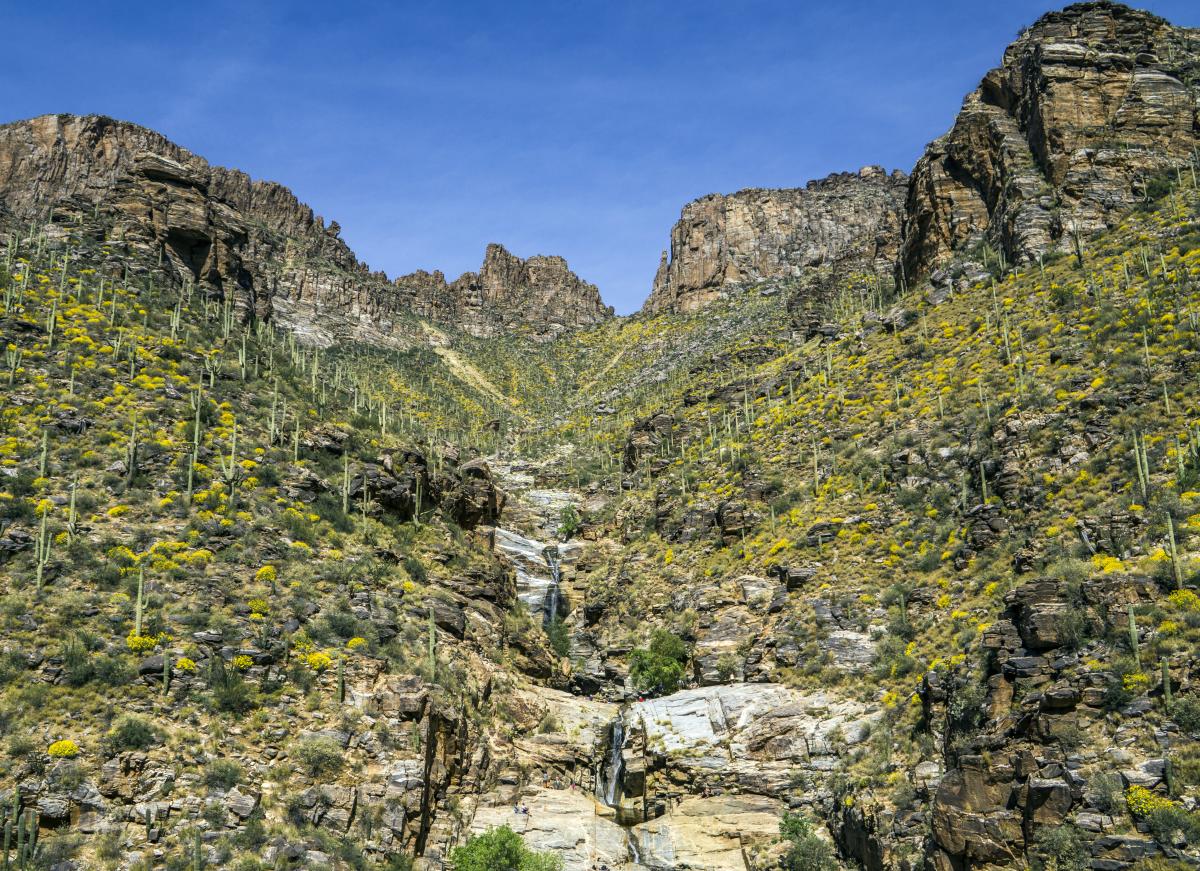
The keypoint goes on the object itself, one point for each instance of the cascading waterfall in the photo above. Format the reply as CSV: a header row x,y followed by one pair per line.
x,y
553,594
610,779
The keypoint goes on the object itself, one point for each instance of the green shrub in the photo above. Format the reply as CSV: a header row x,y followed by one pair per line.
x,y
807,851
501,850
319,756
132,733
1168,820
1060,848
222,774
568,522
659,668
1106,791
560,639
1186,714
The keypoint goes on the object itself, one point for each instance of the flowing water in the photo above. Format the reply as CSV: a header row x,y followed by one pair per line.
x,y
537,568
610,778
554,594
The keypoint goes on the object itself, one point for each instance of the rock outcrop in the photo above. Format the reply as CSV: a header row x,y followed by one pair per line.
x,y
501,297
722,241
256,243
1086,108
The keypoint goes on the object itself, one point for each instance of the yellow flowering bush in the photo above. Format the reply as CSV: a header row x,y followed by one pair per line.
x,y
140,643
185,664
1137,682
242,662
318,660
64,749
1142,802
355,643
258,606
266,574
1185,600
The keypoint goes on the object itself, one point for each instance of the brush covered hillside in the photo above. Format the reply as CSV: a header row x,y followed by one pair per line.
x,y
874,541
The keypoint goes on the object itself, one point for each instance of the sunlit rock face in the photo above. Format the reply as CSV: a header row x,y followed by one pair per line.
x,y
1087,106
723,241
255,242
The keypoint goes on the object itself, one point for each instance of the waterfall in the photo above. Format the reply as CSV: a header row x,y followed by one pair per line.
x,y
635,849
553,594
610,778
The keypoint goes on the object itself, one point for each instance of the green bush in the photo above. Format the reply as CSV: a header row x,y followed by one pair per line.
x,y
502,850
1186,714
560,639
1168,820
319,756
222,774
659,668
132,733
568,522
807,851
1060,848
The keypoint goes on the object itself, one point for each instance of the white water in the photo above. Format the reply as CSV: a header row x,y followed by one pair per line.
x,y
635,849
554,596
537,573
616,763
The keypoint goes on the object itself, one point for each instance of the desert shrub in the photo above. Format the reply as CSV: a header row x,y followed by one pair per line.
x,y
1060,848
132,733
222,774
1186,714
416,569
112,670
1169,819
230,692
1106,792
319,756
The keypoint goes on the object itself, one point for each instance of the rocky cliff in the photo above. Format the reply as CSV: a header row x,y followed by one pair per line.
x,y
503,295
1087,107
256,242
851,220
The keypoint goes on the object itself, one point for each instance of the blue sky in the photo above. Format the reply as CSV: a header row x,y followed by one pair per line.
x,y
428,129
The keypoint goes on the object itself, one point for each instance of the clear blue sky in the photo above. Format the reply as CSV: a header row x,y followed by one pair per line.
x,y
580,128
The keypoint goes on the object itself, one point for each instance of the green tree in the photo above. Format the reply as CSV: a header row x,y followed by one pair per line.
x,y
659,668
502,850
568,522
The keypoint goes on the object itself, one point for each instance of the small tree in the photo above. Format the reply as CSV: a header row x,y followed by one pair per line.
x,y
659,668
502,850
568,522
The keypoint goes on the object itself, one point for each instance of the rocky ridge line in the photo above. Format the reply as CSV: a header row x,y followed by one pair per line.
x,y
255,241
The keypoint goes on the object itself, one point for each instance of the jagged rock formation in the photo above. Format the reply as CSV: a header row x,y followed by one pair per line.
x,y
501,297
1087,106
852,220
256,242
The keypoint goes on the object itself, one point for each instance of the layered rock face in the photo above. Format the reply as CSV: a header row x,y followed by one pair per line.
x,y
850,220
254,241
1087,106
504,295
